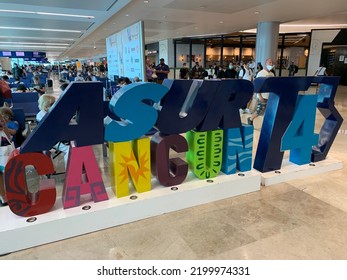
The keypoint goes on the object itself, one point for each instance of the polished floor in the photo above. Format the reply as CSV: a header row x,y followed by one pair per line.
x,y
297,220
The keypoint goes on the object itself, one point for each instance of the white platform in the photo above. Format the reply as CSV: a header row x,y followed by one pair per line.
x,y
290,171
16,233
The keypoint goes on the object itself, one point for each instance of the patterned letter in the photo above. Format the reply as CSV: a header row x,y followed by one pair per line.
x,y
205,153
133,158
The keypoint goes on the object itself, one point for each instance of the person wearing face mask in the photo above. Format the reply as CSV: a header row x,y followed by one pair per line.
x,y
262,97
231,72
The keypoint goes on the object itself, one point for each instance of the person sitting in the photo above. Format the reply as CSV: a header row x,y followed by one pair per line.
x,y
38,86
79,77
21,88
9,129
91,77
45,102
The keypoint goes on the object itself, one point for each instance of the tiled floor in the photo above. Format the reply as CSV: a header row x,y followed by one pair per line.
x,y
300,219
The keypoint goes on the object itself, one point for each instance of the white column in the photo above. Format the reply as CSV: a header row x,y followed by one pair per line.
x,y
267,41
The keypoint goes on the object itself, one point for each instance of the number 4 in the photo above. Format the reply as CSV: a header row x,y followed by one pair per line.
x,y
299,136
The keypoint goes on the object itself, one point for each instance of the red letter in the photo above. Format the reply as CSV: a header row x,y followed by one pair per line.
x,y
20,200
78,181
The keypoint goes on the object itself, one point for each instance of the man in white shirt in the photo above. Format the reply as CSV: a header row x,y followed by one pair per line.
x,y
262,97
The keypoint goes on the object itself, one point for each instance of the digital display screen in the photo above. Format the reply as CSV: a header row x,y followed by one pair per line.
x,y
19,53
39,54
6,53
125,52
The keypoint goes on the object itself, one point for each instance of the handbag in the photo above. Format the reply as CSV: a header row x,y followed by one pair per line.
x,y
5,90
5,151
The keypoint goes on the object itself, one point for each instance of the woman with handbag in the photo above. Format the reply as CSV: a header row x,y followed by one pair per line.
x,y
8,129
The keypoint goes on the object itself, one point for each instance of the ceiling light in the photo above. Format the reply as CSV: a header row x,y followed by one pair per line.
x,y
32,43
39,29
221,22
127,15
46,13
38,39
314,25
31,47
256,12
146,1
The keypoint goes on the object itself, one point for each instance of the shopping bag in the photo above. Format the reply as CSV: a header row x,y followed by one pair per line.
x,y
5,151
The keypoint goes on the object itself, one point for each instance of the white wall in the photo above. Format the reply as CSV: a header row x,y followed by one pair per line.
x,y
318,37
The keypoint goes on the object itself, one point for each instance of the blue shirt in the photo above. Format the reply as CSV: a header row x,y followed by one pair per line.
x,y
164,67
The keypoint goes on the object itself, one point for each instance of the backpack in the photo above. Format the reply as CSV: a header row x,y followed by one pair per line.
x,y
243,71
296,69
5,90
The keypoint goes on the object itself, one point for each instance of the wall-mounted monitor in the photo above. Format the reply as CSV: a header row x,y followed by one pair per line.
x,y
125,52
19,54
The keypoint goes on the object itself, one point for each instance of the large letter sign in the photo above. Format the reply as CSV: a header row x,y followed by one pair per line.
x,y
138,116
81,100
21,201
278,115
333,119
169,172
199,119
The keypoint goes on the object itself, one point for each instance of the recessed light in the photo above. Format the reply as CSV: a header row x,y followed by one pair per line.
x,y
256,12
221,22
127,15
146,1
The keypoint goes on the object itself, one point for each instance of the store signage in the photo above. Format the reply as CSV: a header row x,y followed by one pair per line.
x,y
215,139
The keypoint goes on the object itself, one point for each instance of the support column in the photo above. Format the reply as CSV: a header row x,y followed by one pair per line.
x,y
267,41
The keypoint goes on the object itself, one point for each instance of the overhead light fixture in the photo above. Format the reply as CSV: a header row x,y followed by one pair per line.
x,y
314,25
38,39
146,1
32,43
31,47
46,13
40,29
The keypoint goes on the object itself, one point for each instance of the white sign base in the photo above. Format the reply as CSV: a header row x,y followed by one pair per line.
x,y
290,171
17,233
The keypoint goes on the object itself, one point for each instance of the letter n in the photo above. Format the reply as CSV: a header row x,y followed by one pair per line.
x,y
130,158
237,153
82,177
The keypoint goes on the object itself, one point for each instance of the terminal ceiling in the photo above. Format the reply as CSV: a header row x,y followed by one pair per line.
x,y
27,25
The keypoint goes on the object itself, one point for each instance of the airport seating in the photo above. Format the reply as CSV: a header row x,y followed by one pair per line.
x,y
27,101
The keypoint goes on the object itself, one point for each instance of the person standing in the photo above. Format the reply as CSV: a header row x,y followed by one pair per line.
x,y
149,71
292,69
262,97
184,71
197,71
162,70
16,71
321,71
